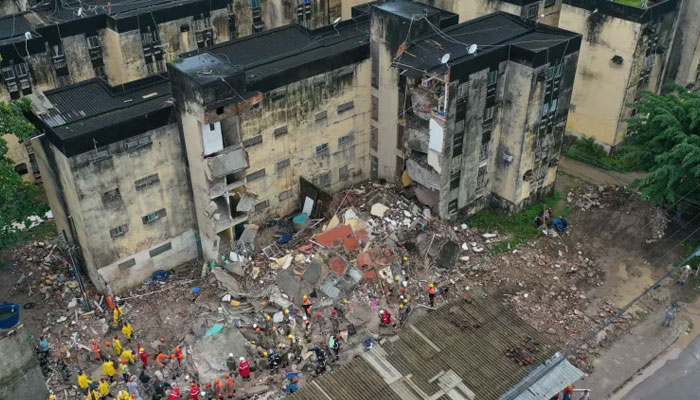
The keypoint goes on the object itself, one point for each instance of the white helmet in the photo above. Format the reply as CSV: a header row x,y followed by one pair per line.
x,y
242,359
230,354
304,317
381,311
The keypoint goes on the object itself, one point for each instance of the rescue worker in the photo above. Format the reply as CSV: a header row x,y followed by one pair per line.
x,y
44,347
231,363
585,395
218,387
386,318
83,382
244,369
117,314
117,346
670,314
96,352
268,324
307,329
123,395
124,370
105,390
128,356
144,379
320,359
306,305
334,346
685,273
93,394
127,330
335,322
273,361
143,356
179,356
431,294
108,369
195,391
230,389
175,393
161,358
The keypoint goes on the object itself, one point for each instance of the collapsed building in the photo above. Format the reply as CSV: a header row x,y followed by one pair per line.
x,y
625,48
255,128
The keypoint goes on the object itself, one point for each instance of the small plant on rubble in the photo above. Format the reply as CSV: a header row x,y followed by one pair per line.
x,y
18,199
664,139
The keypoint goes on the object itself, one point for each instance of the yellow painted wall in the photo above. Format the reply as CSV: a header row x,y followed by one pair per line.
x,y
17,152
601,85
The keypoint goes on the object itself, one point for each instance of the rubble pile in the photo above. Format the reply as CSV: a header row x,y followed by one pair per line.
x,y
375,250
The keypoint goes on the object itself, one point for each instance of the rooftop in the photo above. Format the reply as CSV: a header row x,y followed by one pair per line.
x,y
489,33
460,348
115,9
92,109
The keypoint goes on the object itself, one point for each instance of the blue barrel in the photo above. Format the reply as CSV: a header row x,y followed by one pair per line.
x,y
9,315
300,222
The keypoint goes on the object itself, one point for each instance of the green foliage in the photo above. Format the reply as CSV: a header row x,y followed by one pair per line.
x,y
664,139
587,150
18,199
520,227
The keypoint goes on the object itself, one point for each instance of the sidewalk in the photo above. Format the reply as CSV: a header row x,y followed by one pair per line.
x,y
595,175
632,352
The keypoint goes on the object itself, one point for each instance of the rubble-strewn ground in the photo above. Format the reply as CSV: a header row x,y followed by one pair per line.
x,y
564,284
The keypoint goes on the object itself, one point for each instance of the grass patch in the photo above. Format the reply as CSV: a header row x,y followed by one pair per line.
x,y
634,3
38,233
520,227
587,150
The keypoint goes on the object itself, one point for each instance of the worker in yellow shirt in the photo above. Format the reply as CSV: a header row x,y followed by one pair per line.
x,y
127,330
52,396
124,370
128,355
117,313
117,346
93,395
108,369
105,390
123,395
83,382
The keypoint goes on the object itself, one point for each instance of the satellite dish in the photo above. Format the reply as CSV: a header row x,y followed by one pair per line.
x,y
80,11
445,58
336,21
472,49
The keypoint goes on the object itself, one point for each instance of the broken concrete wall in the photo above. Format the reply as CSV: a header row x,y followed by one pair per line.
x,y
332,151
20,374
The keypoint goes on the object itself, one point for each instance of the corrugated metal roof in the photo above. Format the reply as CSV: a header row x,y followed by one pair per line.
x,y
550,380
457,349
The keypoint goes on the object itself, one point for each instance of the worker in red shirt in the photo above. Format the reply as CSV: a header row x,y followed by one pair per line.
x,y
386,317
143,356
244,369
175,394
194,391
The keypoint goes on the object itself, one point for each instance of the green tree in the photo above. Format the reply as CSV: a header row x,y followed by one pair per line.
x,y
18,199
664,139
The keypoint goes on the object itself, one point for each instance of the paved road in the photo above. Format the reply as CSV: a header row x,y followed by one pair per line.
x,y
678,378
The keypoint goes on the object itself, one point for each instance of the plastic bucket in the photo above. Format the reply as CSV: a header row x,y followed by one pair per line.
x,y
9,315
300,222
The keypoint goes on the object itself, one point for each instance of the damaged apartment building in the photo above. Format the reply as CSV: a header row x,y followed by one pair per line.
x,y
152,173
626,48
60,42
482,111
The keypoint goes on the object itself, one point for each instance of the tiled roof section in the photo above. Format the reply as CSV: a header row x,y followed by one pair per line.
x,y
488,33
469,338
92,104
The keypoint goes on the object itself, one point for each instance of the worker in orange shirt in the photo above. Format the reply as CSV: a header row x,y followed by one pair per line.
x,y
96,350
306,305
161,358
218,387
431,294
179,356
229,385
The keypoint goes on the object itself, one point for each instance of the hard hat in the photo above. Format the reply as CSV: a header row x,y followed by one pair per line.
x,y
93,341
230,354
381,311
207,385
123,361
134,396
432,285
305,297
191,384
405,258
217,380
279,346
286,311
319,315
252,341
177,349
264,354
304,317
290,337
203,394
141,349
267,317
241,359
404,283
345,301
255,326
405,301
227,376
398,278
401,306
334,312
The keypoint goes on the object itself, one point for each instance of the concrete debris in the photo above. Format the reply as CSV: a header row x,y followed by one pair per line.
x,y
378,210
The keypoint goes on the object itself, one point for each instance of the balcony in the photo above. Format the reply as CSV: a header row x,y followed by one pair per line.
x,y
225,162
419,170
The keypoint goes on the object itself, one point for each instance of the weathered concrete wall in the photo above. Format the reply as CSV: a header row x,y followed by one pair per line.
x,y
41,71
78,58
297,111
347,5
132,55
17,152
112,54
244,17
278,12
8,7
684,62
20,374
601,85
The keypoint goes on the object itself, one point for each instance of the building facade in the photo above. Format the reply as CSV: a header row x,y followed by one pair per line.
x,y
115,177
